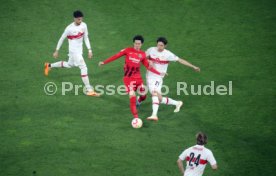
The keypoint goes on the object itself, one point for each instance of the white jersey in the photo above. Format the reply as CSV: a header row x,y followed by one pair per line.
x,y
196,158
75,35
159,60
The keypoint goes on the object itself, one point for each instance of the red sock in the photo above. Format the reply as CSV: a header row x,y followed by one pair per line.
x,y
132,105
142,98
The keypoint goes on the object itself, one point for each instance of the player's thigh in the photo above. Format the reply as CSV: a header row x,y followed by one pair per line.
x,y
127,83
141,88
132,84
150,85
80,61
77,61
159,86
71,61
154,85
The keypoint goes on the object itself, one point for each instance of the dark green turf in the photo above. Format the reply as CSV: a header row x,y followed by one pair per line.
x,y
78,135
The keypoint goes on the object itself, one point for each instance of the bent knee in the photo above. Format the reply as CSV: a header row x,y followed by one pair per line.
x,y
131,93
84,70
83,67
154,93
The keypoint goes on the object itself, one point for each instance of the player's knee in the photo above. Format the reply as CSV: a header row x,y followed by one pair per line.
x,y
83,70
142,89
65,64
160,98
131,94
154,93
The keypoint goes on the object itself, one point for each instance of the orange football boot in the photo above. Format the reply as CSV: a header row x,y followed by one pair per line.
x,y
46,68
92,93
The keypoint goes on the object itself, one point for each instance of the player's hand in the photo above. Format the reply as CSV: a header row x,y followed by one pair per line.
x,y
90,54
101,63
197,69
55,55
150,63
163,74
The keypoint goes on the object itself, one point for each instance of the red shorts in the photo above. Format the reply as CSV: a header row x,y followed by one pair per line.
x,y
134,84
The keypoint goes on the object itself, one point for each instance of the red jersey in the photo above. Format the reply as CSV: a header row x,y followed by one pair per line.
x,y
132,62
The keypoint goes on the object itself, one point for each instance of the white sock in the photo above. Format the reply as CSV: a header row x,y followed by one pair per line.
x,y
155,105
85,78
60,64
168,101
86,82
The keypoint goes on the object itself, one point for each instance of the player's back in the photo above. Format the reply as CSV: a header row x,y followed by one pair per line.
x,y
196,159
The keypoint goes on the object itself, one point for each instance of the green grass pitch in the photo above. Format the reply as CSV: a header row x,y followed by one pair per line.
x,y
231,40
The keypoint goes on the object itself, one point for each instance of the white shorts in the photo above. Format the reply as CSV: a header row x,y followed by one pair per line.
x,y
154,84
76,61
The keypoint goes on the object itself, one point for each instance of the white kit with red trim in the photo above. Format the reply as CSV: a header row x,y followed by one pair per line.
x,y
75,35
196,159
160,60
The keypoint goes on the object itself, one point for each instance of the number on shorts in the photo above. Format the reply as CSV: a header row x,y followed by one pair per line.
x,y
157,83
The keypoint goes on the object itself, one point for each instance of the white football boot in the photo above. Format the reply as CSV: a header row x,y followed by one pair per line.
x,y
178,106
154,118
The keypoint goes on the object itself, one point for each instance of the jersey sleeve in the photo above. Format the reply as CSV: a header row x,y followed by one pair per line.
x,y
211,159
116,56
64,35
148,52
145,62
183,155
172,57
86,39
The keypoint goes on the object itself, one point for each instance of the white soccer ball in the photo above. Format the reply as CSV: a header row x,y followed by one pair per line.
x,y
137,123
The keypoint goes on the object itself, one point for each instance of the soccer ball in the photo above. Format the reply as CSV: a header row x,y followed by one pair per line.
x,y
137,123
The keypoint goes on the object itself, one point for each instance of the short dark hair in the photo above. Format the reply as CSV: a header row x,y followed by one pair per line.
x,y
201,138
77,14
138,37
163,40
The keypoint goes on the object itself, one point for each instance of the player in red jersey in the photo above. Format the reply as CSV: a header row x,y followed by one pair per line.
x,y
132,78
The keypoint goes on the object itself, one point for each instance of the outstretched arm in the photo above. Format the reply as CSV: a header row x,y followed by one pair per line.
x,y
145,62
114,57
184,62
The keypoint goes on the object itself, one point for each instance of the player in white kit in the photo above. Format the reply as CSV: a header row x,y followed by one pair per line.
x,y
196,158
76,32
159,58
